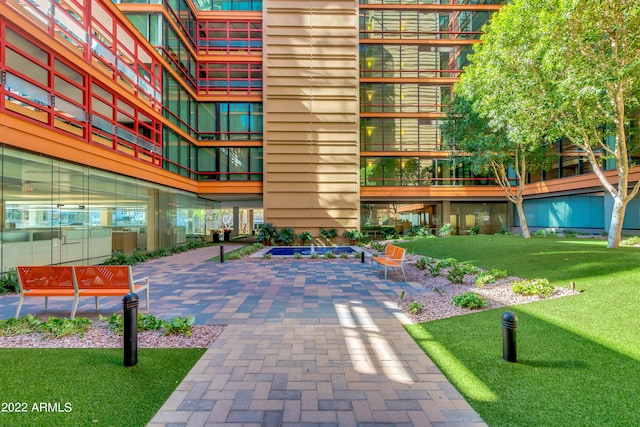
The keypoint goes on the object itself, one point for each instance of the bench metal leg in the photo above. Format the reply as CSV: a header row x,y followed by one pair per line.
x,y
74,307
46,303
97,304
20,301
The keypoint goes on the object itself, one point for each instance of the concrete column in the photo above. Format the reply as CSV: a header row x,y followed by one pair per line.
x,y
236,220
250,221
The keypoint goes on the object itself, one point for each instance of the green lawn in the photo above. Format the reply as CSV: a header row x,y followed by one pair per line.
x,y
578,357
88,387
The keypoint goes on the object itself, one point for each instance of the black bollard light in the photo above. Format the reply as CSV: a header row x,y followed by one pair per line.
x,y
509,326
130,319
221,253
362,257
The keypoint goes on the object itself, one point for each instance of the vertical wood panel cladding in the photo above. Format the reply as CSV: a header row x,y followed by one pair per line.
x,y
311,114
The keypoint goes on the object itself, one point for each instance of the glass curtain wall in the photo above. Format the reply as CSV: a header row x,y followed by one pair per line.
x,y
57,212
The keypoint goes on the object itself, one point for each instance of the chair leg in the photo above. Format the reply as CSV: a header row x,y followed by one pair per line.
x,y
20,301
97,304
147,298
74,308
46,303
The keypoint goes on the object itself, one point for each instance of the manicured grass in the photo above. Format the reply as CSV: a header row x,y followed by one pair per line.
x,y
88,387
578,357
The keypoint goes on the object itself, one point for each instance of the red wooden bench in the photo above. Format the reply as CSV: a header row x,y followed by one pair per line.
x,y
78,281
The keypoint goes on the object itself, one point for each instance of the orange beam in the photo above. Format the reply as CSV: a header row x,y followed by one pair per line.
x,y
432,42
430,154
405,115
33,137
435,7
577,182
229,187
431,192
431,80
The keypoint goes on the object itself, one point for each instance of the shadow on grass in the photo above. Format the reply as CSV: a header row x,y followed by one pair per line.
x,y
560,379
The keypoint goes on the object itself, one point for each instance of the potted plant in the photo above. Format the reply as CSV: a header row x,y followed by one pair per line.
x,y
215,235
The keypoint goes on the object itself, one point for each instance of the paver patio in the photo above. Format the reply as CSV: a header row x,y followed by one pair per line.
x,y
307,343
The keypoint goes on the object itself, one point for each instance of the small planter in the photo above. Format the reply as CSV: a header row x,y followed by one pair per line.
x,y
227,235
216,236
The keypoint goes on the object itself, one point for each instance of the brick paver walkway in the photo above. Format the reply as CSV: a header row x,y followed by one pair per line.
x,y
307,343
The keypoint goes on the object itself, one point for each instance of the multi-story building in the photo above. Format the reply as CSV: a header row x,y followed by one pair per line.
x,y
131,125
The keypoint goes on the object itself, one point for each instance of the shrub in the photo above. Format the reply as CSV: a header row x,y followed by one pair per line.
x,y
268,234
139,256
244,251
485,277
353,236
544,233
305,237
149,322
266,256
569,233
474,230
18,326
434,269
445,230
377,246
286,236
447,262
456,273
329,234
415,307
314,255
57,328
329,255
114,323
119,258
180,325
160,252
344,255
504,230
297,255
9,282
389,233
631,241
470,300
422,263
539,287
420,232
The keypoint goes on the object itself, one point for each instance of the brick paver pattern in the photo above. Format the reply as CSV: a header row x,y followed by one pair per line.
x,y
313,342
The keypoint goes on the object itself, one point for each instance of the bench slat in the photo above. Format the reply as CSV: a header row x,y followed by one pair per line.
x,y
77,281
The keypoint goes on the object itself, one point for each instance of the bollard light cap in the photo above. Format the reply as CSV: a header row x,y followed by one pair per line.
x,y
509,320
130,297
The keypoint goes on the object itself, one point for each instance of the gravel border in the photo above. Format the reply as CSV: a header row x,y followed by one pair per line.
x,y
101,337
438,292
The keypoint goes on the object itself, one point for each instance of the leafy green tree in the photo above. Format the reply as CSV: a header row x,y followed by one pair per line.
x,y
489,149
548,69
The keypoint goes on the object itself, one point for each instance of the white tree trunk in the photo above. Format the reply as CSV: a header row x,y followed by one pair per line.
x,y
617,219
523,218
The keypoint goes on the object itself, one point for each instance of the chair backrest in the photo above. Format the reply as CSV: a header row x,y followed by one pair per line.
x,y
45,277
400,253
104,276
389,250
